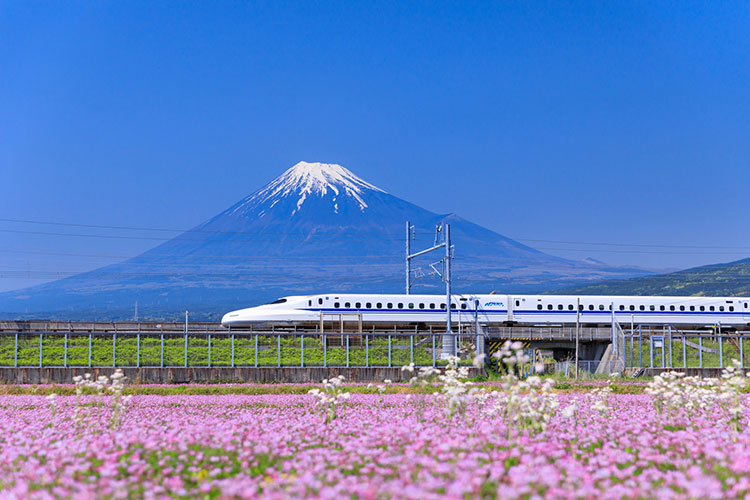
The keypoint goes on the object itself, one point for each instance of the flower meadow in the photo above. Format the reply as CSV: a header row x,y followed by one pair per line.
x,y
686,438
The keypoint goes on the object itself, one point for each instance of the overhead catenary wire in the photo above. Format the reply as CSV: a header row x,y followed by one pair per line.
x,y
394,235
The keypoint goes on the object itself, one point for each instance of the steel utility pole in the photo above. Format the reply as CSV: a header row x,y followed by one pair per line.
x,y
449,346
409,228
578,329
448,338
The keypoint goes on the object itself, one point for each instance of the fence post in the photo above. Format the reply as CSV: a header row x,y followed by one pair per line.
x,y
671,364
433,350
15,353
186,348
347,350
651,351
302,351
278,350
325,350
367,351
40,350
256,350
684,353
640,347
65,350
389,350
742,356
161,358
209,350
90,338
411,348
721,354
700,351
232,350
114,349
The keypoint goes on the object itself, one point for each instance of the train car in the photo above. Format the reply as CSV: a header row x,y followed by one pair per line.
x,y
495,309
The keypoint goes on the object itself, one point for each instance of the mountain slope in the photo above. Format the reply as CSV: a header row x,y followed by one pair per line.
x,y
316,227
730,279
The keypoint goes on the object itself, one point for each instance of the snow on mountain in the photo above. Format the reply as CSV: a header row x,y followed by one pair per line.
x,y
309,179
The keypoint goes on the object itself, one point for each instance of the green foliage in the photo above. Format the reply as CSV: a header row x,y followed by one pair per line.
x,y
716,280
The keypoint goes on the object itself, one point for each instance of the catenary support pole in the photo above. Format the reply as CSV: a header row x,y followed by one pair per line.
x,y
578,331
408,257
449,346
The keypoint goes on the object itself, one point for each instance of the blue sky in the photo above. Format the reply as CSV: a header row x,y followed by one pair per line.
x,y
584,122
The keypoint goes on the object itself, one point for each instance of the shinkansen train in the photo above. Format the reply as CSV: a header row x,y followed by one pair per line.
x,y
495,309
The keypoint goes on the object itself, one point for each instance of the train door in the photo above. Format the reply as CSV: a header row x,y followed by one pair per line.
x,y
745,306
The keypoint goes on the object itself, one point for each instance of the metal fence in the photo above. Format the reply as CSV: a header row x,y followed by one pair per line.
x,y
675,349
211,349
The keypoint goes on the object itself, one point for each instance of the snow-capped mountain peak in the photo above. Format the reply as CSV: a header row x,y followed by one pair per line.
x,y
306,179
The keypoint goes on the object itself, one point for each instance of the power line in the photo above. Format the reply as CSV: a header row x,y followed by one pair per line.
x,y
307,234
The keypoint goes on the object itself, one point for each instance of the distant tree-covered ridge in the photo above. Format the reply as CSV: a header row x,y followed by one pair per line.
x,y
730,279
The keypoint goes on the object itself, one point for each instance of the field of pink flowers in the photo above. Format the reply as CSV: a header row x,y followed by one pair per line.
x,y
375,446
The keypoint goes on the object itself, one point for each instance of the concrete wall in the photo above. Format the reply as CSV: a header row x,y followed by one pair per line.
x,y
203,375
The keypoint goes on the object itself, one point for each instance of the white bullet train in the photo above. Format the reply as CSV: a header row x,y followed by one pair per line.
x,y
495,309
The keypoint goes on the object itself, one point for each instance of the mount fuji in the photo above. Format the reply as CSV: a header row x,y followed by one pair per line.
x,y
316,228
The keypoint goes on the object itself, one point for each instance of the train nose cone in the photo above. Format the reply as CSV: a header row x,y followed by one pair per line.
x,y
229,318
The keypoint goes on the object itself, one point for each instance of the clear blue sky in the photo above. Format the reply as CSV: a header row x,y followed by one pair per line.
x,y
615,122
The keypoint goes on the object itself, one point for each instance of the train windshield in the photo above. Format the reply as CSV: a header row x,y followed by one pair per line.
x,y
278,301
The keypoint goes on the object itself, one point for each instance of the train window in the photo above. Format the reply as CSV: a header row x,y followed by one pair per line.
x,y
570,307
368,305
309,302
661,308
622,307
347,305
400,305
721,308
702,308
653,308
358,305
711,308
320,301
692,308
421,306
463,305
539,306
580,307
411,305
632,307
682,308
731,308
671,308
549,306
559,307
390,305
601,307
432,306
591,307
518,303
336,305
453,305
278,301
442,306
379,305
642,307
